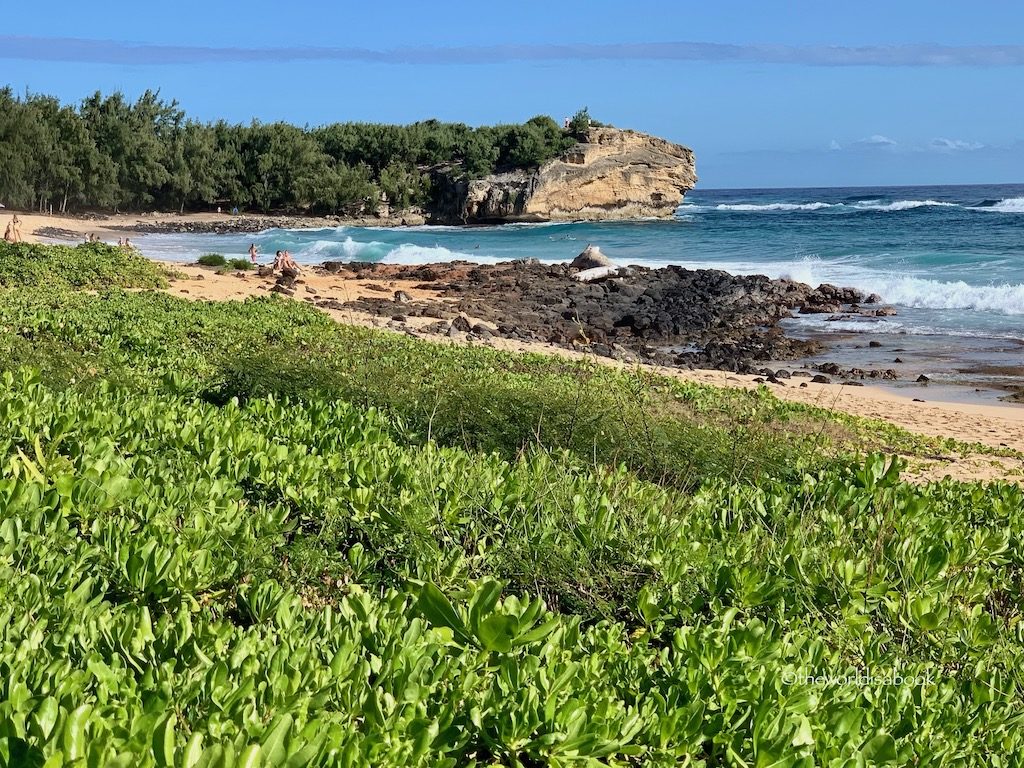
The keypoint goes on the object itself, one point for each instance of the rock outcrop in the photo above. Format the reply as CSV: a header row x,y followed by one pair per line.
x,y
614,174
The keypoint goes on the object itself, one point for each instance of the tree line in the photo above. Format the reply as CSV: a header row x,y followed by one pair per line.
x,y
114,154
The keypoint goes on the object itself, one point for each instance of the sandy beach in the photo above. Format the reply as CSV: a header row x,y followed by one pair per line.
x,y
995,426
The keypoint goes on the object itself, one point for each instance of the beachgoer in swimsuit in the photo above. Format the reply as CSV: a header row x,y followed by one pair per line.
x,y
9,235
289,266
252,252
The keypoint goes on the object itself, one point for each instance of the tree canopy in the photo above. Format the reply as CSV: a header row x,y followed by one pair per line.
x,y
111,153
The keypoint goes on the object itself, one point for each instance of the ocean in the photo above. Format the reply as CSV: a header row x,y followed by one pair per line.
x,y
949,258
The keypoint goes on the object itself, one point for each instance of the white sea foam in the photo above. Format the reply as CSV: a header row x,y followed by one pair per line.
x,y
934,294
1009,205
754,208
334,249
902,205
861,205
408,253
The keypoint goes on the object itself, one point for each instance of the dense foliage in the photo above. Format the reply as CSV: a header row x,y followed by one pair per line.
x,y
89,265
111,153
339,552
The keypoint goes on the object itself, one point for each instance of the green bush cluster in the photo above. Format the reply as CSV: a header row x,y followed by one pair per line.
x,y
89,266
297,583
480,399
212,260
240,534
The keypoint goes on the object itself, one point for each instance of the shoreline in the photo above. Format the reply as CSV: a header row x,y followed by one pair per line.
x,y
361,290
36,226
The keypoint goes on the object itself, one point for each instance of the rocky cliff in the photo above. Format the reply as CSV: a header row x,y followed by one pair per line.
x,y
614,174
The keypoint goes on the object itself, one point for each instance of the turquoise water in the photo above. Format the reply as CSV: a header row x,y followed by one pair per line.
x,y
950,258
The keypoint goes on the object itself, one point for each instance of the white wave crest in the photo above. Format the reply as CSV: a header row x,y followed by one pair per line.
x,y
861,205
334,249
755,208
902,205
408,253
1009,205
933,294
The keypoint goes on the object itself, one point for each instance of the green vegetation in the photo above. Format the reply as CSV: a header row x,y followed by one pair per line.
x,y
212,260
87,266
113,154
240,534
239,263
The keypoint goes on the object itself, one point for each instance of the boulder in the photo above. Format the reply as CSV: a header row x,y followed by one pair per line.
x,y
591,258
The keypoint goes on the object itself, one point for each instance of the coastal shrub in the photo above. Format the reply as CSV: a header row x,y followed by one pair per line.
x,y
241,264
478,398
89,266
212,260
291,582
293,542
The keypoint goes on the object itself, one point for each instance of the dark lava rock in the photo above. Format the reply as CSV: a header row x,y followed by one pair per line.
x,y
851,384
402,297
723,321
874,344
819,379
922,379
898,360
820,309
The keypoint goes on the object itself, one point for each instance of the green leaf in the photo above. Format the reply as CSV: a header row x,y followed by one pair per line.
x,y
880,750
496,633
273,742
164,741
436,608
193,751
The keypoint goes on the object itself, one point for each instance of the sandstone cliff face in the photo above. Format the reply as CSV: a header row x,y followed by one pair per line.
x,y
614,174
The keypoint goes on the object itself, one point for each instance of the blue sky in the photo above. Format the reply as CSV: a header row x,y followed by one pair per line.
x,y
767,94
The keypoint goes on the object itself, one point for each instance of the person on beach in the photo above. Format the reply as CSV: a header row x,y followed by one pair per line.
x,y
9,235
252,252
286,264
16,223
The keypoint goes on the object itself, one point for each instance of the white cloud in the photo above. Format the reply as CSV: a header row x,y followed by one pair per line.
x,y
835,145
877,140
954,145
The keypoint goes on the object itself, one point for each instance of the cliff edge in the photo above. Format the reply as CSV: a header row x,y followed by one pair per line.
x,y
614,174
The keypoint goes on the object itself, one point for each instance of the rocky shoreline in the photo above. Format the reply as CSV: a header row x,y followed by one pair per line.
x,y
669,316
225,224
